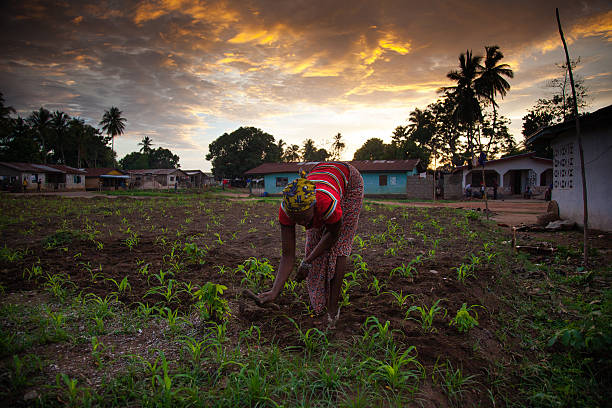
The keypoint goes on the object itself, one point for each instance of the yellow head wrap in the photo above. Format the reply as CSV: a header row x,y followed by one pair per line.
x,y
299,195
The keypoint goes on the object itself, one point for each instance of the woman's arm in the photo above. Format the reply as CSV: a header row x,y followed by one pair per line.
x,y
286,264
329,238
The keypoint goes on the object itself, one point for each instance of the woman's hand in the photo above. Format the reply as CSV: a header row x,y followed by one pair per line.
x,y
303,271
266,297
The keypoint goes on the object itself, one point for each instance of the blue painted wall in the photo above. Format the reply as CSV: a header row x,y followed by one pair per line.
x,y
396,183
270,182
370,182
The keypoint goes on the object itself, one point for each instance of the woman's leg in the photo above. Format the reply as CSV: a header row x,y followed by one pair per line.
x,y
335,286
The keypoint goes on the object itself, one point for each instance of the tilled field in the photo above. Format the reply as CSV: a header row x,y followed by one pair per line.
x,y
95,289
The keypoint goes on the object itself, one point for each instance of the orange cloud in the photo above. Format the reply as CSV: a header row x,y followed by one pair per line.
x,y
595,26
218,13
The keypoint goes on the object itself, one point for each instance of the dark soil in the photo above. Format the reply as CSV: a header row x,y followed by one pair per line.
x,y
250,229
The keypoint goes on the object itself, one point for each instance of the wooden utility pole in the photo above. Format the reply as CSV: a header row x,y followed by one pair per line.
x,y
578,135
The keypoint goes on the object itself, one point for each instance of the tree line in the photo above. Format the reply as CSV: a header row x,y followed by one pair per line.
x,y
46,137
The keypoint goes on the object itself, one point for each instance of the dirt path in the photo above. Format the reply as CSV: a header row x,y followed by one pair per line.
x,y
506,212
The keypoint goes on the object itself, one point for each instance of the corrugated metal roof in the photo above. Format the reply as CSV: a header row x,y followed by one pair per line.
x,y
66,169
99,171
528,155
31,167
362,166
157,172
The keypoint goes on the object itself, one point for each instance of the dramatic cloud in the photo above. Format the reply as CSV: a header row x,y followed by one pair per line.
x,y
185,71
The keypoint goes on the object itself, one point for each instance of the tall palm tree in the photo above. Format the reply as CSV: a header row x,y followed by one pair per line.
x,y
491,81
40,121
113,124
146,144
59,123
291,153
467,108
337,147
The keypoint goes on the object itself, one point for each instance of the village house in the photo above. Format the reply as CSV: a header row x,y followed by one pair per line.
x,y
199,179
596,134
158,179
513,175
105,179
396,178
52,177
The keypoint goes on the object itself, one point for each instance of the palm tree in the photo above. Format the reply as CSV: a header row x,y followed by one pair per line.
x,y
59,123
113,124
146,144
491,81
337,147
291,153
467,108
40,121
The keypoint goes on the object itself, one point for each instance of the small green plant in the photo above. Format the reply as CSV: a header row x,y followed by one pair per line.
x,y
210,303
34,272
376,285
464,320
400,298
344,292
465,271
452,381
11,255
257,273
97,349
399,369
312,338
427,315
194,253
361,243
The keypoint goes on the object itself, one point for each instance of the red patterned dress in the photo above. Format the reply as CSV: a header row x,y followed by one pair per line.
x,y
339,195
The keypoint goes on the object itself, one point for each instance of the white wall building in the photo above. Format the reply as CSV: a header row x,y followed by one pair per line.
x,y
511,174
596,132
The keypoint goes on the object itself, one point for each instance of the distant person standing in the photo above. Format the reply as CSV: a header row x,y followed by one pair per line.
x,y
495,190
468,191
38,182
25,184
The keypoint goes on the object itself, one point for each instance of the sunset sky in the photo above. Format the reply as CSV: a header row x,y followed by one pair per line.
x,y
184,72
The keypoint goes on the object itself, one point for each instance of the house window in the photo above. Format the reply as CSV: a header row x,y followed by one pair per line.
x,y
282,181
171,178
382,180
77,179
392,180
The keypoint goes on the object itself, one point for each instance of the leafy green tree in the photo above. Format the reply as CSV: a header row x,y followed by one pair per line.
x,y
113,124
234,153
372,149
556,108
40,122
161,158
135,161
18,143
